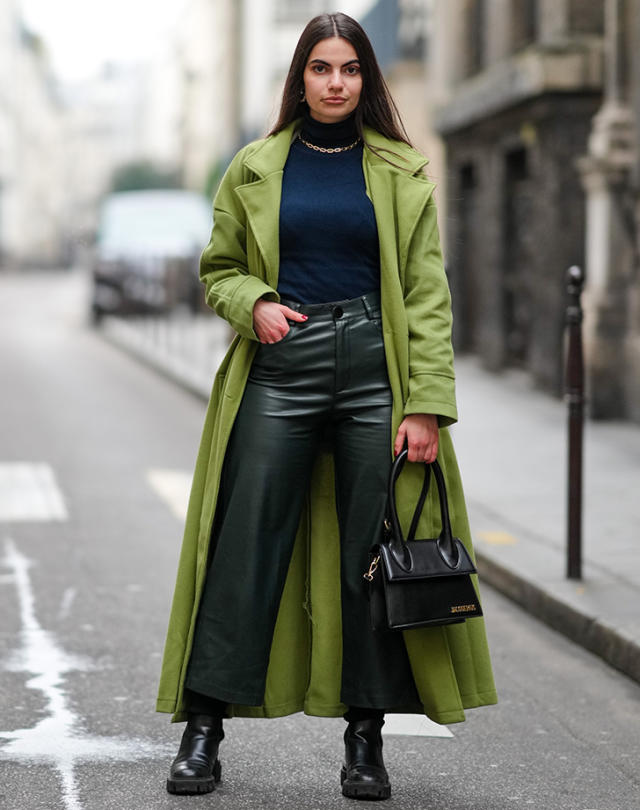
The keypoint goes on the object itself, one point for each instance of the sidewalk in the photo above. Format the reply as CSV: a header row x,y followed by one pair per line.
x,y
511,445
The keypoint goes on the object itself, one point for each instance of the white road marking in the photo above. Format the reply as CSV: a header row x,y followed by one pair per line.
x,y
173,486
29,492
56,740
65,605
413,725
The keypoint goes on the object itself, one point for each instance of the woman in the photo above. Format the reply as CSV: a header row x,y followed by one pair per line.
x,y
324,257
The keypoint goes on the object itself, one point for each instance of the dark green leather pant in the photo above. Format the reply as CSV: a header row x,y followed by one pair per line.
x,y
327,376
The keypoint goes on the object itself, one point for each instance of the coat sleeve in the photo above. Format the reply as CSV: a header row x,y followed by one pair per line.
x,y
428,309
230,290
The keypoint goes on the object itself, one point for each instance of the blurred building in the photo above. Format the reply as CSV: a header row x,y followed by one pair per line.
x,y
611,178
104,129
207,50
32,167
401,32
59,147
517,83
232,59
230,56
161,114
270,30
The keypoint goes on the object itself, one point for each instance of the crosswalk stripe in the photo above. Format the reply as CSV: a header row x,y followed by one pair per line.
x,y
413,725
29,492
173,486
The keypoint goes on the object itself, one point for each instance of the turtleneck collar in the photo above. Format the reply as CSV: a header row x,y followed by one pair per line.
x,y
341,133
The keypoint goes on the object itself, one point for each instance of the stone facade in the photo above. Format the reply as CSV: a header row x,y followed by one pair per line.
x,y
32,167
518,83
105,118
610,172
207,51
401,33
232,57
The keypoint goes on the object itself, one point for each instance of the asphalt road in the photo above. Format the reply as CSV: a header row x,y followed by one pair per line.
x,y
95,452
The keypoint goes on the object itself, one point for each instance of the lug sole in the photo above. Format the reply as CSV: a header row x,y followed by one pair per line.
x,y
357,790
192,787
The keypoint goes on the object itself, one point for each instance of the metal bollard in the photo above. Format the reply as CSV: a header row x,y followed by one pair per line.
x,y
574,394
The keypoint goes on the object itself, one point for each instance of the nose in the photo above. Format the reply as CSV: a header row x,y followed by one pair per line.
x,y
335,79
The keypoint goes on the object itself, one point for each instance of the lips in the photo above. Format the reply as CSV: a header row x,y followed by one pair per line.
x,y
334,99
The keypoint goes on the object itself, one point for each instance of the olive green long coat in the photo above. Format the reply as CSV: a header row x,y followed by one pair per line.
x,y
451,665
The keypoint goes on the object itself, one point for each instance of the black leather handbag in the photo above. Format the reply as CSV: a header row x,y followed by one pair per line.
x,y
419,583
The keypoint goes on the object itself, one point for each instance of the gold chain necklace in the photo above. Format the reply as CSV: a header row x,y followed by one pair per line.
x,y
329,151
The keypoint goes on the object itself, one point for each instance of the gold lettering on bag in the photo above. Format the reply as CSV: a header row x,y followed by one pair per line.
x,y
462,608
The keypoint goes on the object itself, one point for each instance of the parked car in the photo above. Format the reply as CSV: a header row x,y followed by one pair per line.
x,y
147,249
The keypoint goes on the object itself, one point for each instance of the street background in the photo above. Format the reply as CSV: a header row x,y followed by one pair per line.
x,y
116,124
85,595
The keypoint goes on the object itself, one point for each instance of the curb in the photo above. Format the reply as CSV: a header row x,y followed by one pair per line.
x,y
593,634
126,337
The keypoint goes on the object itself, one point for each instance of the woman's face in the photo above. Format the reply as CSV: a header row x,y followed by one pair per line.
x,y
332,80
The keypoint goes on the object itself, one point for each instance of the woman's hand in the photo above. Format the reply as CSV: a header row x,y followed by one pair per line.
x,y
420,430
270,320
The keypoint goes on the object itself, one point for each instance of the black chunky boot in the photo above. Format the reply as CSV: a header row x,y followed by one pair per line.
x,y
363,774
196,769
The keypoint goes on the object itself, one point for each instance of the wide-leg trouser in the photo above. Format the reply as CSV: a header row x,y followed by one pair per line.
x,y
327,376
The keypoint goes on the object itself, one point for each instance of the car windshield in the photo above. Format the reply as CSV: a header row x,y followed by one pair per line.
x,y
158,222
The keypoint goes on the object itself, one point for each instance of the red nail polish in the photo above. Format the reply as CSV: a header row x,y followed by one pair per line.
x,y
305,317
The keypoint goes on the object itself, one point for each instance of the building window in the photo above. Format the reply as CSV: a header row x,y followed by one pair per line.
x,y
413,28
476,16
468,263
524,23
586,16
519,248
467,177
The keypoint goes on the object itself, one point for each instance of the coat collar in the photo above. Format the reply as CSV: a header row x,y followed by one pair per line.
x,y
391,187
404,158
271,154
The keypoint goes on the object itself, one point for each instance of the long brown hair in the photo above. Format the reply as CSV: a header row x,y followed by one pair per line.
x,y
376,107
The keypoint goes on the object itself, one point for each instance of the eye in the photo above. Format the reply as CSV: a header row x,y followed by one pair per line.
x,y
318,68
352,70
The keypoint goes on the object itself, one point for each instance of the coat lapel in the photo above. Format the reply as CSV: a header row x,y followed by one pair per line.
x,y
261,197
399,194
261,202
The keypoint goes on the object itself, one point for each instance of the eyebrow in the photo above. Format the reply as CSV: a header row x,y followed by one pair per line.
x,y
328,64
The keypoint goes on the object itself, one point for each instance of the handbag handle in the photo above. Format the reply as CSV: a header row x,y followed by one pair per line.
x,y
398,547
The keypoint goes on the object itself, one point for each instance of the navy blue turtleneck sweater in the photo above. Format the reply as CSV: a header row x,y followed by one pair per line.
x,y
328,233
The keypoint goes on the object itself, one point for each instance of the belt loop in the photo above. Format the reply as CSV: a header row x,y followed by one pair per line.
x,y
367,307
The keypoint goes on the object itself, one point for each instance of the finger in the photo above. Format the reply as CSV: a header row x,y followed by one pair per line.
x,y
421,450
273,336
291,314
431,453
278,332
400,436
